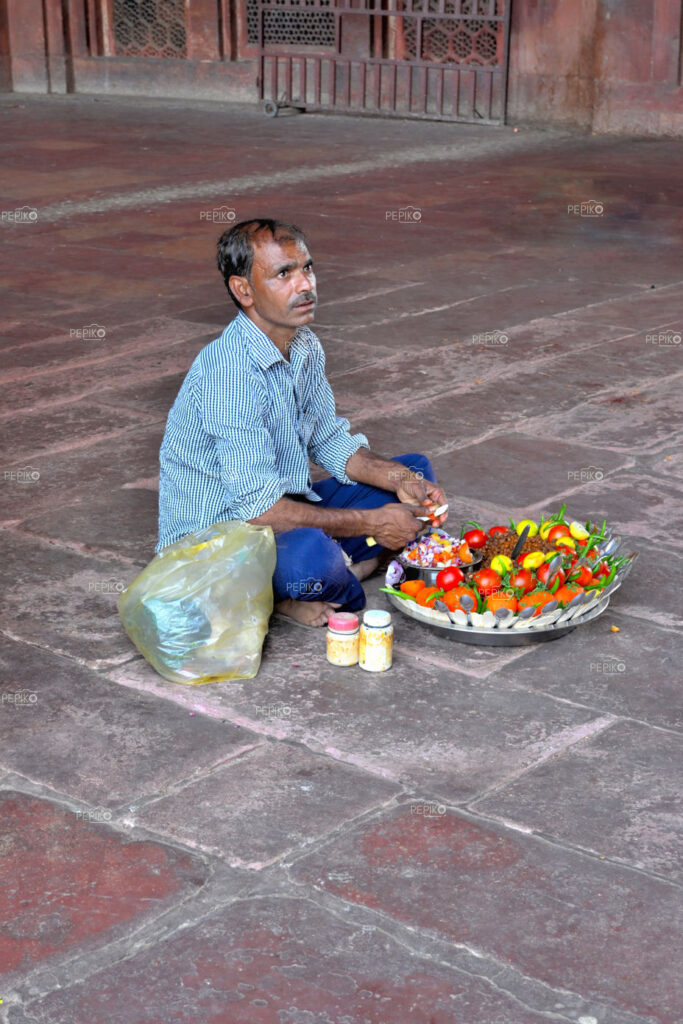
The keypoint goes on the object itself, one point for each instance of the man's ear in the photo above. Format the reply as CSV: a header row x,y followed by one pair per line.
x,y
241,288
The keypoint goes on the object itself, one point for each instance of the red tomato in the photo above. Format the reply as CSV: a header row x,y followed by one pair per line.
x,y
487,581
543,575
449,577
522,579
452,598
540,598
497,529
602,570
427,596
565,594
475,539
558,531
496,601
412,587
582,575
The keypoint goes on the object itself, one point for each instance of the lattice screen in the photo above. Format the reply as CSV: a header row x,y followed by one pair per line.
x,y
150,28
292,28
455,42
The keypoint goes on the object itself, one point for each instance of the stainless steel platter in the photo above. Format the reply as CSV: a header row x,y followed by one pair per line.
x,y
493,636
513,631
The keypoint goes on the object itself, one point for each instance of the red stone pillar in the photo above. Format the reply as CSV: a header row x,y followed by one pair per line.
x,y
203,30
55,54
5,69
23,33
639,53
37,39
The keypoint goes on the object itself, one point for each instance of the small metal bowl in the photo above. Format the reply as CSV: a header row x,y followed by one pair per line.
x,y
428,574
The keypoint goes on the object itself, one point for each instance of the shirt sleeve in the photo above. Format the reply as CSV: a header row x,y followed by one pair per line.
x,y
330,445
231,414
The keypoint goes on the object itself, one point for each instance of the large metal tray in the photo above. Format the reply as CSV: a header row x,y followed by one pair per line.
x,y
496,637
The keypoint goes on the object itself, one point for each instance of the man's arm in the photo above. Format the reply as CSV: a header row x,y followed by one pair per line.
x,y
392,526
367,468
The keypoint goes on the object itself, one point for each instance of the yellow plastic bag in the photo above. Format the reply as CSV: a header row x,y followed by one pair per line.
x,y
199,612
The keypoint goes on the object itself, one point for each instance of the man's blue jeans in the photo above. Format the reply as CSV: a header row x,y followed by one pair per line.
x,y
310,565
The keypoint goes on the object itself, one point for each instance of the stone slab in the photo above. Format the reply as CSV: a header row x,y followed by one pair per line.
x,y
272,801
560,917
437,723
17,332
82,347
520,472
19,305
449,411
82,735
105,465
65,600
629,420
645,511
70,884
624,366
616,794
281,959
612,673
138,379
668,466
71,426
455,312
124,523
646,311
460,364
495,248
155,397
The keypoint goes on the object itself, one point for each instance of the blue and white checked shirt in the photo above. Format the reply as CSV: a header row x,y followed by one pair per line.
x,y
240,432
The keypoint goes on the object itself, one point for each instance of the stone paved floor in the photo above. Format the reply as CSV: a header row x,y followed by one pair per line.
x,y
259,851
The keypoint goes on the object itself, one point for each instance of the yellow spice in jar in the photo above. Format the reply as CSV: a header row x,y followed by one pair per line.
x,y
342,639
376,641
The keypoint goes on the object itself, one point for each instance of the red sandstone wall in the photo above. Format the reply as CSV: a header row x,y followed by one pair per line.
x,y
605,65
5,70
609,65
22,37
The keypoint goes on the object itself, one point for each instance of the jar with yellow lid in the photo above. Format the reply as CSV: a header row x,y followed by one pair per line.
x,y
376,641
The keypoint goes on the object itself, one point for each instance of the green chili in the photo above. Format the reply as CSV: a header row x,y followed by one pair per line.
x,y
397,593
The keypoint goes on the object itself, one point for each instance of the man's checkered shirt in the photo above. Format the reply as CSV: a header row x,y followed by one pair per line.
x,y
240,432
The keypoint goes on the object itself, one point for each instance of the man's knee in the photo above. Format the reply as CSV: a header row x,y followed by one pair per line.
x,y
417,463
308,561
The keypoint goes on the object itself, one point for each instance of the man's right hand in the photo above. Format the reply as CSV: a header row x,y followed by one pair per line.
x,y
393,526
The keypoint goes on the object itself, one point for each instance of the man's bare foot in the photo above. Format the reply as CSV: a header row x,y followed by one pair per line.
x,y
361,570
308,613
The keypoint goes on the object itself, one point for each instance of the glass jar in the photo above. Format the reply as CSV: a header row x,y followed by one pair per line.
x,y
376,641
342,638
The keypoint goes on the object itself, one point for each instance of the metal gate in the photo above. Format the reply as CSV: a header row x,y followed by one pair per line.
x,y
444,60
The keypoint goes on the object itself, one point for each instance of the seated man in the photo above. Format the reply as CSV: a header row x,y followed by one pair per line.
x,y
254,407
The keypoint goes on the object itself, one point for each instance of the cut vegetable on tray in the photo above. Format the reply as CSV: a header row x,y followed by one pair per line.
x,y
541,578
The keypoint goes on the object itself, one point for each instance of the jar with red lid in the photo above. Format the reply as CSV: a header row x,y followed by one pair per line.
x,y
343,632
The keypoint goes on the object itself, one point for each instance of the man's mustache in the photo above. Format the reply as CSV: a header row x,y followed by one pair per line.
x,y
308,297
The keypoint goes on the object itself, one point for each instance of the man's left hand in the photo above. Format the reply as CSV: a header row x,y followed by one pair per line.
x,y
415,490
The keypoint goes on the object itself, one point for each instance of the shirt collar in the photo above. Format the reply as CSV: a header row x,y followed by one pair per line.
x,y
263,350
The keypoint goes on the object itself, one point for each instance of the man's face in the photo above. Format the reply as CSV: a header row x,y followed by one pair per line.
x,y
282,292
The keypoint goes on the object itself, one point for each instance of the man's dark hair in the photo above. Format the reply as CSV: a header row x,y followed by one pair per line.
x,y
235,255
